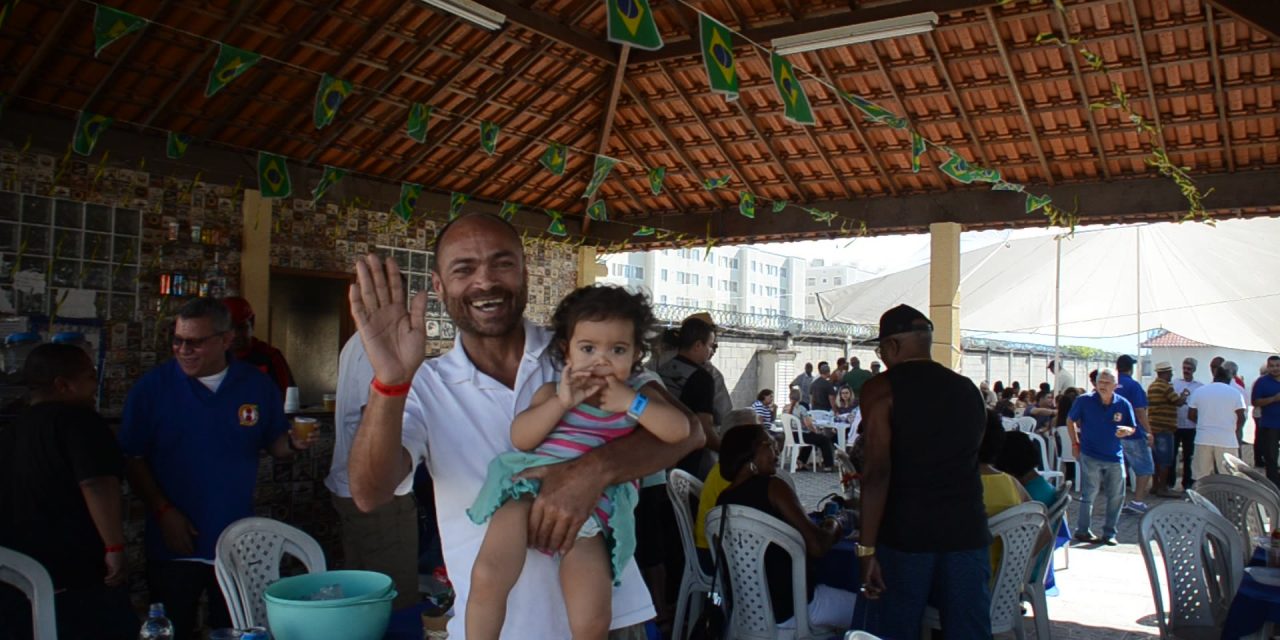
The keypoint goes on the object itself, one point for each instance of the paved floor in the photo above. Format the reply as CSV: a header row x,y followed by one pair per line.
x,y
1103,591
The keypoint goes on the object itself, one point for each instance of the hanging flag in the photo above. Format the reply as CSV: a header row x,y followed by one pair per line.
x,y
557,227
958,168
598,211
110,25
508,211
329,96
176,145
330,177
715,183
419,117
795,103
1035,202
409,194
779,205
273,176
604,165
1007,186
6,7
747,204
488,136
631,22
874,111
717,57
230,64
88,127
656,176
645,231
456,200
823,216
554,158
984,174
917,150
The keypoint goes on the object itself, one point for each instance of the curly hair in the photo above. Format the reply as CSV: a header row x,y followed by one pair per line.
x,y
602,302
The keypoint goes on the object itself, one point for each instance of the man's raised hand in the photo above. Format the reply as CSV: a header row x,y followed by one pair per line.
x,y
394,337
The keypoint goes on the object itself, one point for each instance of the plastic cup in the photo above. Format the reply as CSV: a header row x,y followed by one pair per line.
x,y
330,401
291,400
303,427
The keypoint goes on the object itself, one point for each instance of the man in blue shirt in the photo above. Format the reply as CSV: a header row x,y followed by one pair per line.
x,y
1137,447
192,431
1266,396
1094,425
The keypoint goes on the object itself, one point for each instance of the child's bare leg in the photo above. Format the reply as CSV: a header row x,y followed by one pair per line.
x,y
587,582
496,570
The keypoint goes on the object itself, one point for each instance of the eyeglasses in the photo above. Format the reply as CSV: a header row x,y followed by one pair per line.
x,y
714,346
193,343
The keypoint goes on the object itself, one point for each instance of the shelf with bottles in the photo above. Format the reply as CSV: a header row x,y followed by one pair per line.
x,y
178,232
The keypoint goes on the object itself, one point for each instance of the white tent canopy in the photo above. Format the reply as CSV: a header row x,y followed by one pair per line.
x,y
1215,284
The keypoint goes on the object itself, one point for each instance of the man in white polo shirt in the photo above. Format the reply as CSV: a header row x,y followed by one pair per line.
x,y
454,412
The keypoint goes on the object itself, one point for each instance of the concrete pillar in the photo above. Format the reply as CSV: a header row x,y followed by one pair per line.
x,y
944,291
255,258
589,271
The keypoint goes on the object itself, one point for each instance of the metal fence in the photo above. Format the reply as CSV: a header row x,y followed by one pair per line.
x,y
671,314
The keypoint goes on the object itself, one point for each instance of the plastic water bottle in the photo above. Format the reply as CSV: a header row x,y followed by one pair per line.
x,y
157,627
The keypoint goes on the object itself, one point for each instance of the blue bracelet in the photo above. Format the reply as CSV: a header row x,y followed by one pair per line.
x,y
637,406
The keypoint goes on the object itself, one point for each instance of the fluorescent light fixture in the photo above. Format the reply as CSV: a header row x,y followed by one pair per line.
x,y
855,33
472,12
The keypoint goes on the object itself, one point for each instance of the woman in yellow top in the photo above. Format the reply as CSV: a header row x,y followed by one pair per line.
x,y
1000,490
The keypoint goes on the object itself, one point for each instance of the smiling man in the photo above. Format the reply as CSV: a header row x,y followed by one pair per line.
x,y
455,412
192,430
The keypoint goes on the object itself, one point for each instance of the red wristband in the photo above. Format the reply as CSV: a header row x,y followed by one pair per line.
x,y
114,548
391,390
164,509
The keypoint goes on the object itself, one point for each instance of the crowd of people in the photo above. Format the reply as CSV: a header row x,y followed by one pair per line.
x,y
549,447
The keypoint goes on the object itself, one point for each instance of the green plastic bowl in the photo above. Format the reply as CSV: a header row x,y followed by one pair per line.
x,y
362,614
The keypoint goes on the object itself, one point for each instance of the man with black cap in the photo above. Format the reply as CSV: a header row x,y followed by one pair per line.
x,y
924,528
1137,447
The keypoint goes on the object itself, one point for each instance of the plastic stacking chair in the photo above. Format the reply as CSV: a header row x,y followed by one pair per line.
x,y
1018,527
684,490
1046,470
1249,507
1195,498
747,534
1241,469
248,558
1204,563
792,445
30,577
1067,456
1035,590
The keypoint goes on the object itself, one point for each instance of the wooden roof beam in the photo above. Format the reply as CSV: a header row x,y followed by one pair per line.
x,y
1084,99
684,99
1219,96
556,29
606,119
243,11
662,131
936,52
632,148
48,43
107,80
872,152
881,11
1017,93
902,104
1146,68
1262,16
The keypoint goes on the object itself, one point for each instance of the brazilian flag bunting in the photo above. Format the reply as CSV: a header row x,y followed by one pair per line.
x,y
1035,202
631,22
176,145
874,111
554,158
330,95
419,117
110,25
273,176
489,136
598,211
1007,186
456,200
645,231
88,127
747,204
779,205
409,194
656,176
557,227
230,64
330,177
604,165
795,103
6,8
958,168
717,57
715,183
917,150
508,211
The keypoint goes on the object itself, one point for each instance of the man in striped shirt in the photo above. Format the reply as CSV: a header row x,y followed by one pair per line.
x,y
1162,414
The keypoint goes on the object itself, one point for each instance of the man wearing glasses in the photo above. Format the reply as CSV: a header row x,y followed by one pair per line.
x,y
192,430
924,528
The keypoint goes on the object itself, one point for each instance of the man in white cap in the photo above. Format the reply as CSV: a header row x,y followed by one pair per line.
x,y
1162,414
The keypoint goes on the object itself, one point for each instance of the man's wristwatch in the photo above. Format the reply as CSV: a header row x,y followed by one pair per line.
x,y
637,406
864,551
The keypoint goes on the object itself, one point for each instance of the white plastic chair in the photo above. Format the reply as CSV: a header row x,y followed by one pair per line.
x,y
1046,470
684,490
247,560
1035,590
747,534
1250,508
1026,424
1018,527
1203,561
31,578
791,442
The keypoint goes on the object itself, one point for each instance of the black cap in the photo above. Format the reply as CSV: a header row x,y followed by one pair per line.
x,y
902,319
1125,362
